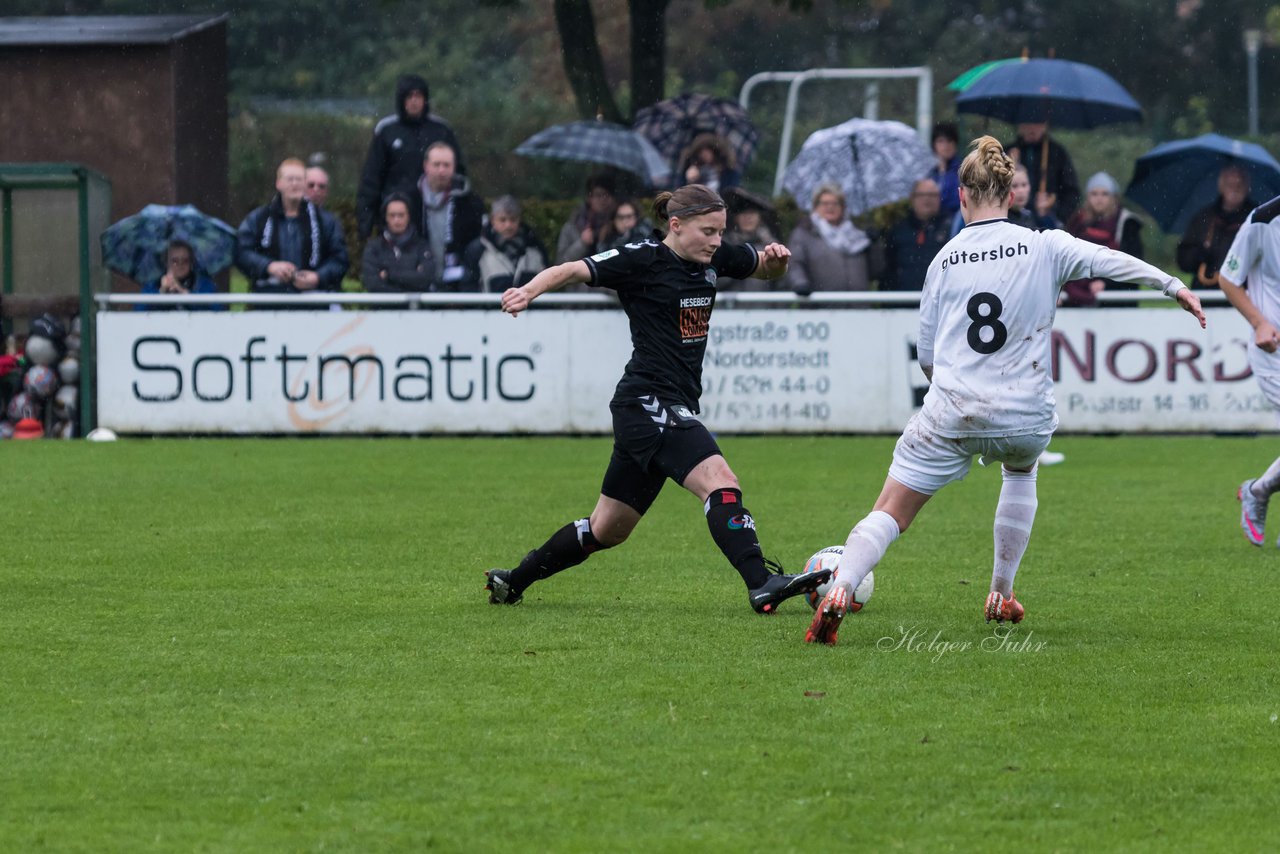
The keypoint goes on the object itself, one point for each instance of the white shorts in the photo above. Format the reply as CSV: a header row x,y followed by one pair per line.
x,y
926,462
1270,385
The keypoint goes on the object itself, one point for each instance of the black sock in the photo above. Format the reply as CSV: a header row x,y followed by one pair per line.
x,y
569,546
734,531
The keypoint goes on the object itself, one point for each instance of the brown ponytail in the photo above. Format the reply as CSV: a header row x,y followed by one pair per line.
x,y
689,201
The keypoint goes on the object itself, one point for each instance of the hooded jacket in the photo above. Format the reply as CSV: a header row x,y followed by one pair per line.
x,y
399,143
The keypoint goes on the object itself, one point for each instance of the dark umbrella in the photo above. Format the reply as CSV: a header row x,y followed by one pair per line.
x,y
135,245
873,162
598,142
1176,179
672,125
1068,94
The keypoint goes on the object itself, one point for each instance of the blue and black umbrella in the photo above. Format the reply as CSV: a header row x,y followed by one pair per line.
x,y
599,142
135,246
1067,94
672,126
1176,179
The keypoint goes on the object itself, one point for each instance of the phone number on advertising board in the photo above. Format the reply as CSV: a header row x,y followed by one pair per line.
x,y
749,412
737,384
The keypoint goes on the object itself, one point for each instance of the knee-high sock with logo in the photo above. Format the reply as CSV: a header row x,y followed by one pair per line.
x,y
867,543
734,531
569,546
1269,483
1015,513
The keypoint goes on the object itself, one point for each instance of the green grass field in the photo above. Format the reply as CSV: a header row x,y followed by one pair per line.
x,y
283,645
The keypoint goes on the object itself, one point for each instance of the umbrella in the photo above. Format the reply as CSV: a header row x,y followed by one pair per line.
x,y
973,75
1176,179
672,125
598,142
873,162
1070,94
135,245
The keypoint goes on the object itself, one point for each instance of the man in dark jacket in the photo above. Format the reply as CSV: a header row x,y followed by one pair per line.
x,y
286,246
1205,243
911,244
1058,183
446,213
396,152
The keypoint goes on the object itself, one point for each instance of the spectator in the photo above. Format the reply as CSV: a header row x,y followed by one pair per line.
x,y
828,252
1103,221
285,246
747,224
709,161
181,277
627,226
399,148
1053,177
911,244
1208,237
1020,213
946,173
399,260
447,214
317,191
580,234
507,254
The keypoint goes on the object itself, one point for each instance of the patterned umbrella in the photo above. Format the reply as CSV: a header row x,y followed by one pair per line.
x,y
598,142
1069,94
135,245
671,126
874,163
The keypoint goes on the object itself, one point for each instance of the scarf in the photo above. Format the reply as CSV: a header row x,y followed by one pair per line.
x,y
269,239
398,243
846,238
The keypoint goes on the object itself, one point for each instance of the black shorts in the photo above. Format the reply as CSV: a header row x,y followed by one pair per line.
x,y
653,441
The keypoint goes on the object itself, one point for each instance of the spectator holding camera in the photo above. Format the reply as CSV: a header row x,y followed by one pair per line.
x,y
709,161
286,246
181,275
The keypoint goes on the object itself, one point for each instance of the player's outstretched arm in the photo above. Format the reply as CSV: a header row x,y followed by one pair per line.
x,y
516,300
1191,303
772,262
1265,334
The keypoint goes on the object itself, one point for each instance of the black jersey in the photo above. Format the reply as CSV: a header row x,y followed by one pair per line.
x,y
668,301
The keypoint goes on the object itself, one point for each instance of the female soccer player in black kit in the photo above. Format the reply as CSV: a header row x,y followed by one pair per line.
x,y
667,287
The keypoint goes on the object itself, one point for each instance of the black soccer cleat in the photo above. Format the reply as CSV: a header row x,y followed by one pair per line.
x,y
766,598
498,583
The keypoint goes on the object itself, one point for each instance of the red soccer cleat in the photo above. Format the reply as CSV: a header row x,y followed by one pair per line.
x,y
830,613
1000,609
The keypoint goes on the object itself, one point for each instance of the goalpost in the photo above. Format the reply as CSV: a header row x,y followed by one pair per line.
x,y
872,76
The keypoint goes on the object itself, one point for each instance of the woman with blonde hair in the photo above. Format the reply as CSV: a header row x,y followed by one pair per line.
x,y
667,288
986,324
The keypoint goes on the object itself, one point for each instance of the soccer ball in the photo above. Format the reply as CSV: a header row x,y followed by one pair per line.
x,y
829,558
41,381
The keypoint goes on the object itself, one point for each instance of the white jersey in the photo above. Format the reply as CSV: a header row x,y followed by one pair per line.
x,y
986,323
1254,259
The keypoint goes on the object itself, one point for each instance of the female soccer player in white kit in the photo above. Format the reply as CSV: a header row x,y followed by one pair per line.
x,y
986,323
1255,258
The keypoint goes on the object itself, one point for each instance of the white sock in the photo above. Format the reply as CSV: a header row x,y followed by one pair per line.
x,y
1015,513
867,543
1264,486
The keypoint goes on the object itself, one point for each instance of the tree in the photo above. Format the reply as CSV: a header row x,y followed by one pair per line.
x,y
584,66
